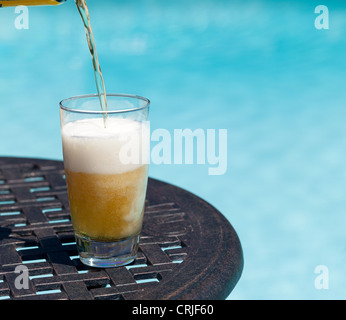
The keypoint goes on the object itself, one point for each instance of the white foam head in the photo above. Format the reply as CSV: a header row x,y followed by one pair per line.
x,y
121,146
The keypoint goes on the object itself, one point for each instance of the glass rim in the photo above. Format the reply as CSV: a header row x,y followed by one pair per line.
x,y
95,95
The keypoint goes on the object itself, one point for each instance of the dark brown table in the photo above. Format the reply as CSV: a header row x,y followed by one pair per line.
x,y
188,250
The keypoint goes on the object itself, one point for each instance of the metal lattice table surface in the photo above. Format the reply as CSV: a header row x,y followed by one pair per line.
x,y
188,250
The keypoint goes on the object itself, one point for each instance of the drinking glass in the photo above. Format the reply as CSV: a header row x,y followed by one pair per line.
x,y
106,156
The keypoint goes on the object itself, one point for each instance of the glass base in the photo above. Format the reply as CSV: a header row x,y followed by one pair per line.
x,y
103,254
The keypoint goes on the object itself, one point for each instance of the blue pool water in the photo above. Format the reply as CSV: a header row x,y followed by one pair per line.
x,y
259,69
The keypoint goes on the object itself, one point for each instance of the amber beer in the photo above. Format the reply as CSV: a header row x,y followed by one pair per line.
x,y
106,169
107,207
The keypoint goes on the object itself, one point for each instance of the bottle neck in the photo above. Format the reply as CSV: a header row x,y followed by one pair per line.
x,y
15,3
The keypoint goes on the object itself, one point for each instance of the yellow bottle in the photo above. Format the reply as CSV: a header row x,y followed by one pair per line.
x,y
14,3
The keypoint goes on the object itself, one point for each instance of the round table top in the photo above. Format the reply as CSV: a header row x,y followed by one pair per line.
x,y
188,249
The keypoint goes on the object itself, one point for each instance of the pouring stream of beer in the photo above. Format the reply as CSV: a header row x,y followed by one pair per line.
x,y
100,85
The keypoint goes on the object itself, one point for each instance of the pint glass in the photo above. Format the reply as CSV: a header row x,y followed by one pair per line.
x,y
106,156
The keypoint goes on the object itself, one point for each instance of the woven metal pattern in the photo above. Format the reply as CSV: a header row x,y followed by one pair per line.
x,y
36,232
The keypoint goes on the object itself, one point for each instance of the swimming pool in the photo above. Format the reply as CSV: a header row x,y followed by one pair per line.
x,y
259,69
